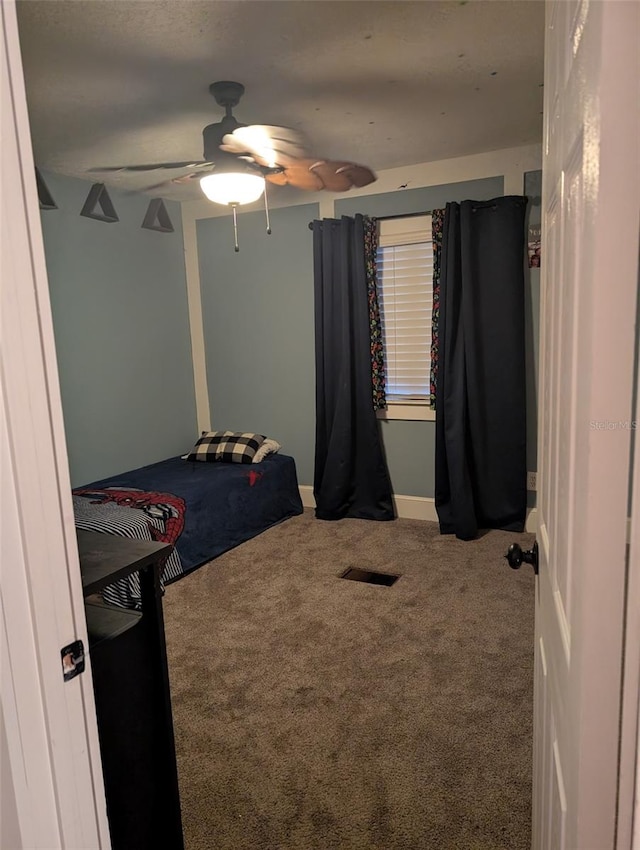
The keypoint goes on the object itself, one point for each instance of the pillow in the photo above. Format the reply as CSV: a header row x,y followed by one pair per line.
x,y
268,447
226,446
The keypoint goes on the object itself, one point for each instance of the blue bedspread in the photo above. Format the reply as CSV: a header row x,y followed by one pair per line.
x,y
208,507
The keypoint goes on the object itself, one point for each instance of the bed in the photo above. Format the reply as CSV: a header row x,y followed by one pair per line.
x,y
202,509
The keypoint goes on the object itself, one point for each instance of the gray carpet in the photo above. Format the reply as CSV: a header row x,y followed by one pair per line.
x,y
314,713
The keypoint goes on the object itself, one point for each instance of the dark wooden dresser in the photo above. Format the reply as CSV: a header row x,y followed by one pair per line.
x,y
131,686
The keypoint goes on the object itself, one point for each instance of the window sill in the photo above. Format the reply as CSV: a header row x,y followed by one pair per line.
x,y
415,411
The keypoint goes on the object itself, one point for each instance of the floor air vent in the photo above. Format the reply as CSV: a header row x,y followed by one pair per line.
x,y
369,576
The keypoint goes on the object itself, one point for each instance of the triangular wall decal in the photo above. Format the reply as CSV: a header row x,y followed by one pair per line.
x,y
98,204
44,195
157,217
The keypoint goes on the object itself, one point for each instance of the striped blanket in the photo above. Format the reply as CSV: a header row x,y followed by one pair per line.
x,y
110,518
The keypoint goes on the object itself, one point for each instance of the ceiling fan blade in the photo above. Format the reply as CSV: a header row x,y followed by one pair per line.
x,y
255,135
269,145
276,131
195,175
279,178
342,176
314,175
330,177
299,176
359,175
189,163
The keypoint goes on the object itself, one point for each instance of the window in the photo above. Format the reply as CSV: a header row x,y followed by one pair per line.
x,y
405,293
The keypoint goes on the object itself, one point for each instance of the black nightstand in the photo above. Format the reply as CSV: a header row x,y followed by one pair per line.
x,y
131,686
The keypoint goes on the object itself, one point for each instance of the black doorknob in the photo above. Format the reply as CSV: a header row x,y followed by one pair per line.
x,y
516,556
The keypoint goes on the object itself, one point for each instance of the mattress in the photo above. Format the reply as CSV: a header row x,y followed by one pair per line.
x,y
202,509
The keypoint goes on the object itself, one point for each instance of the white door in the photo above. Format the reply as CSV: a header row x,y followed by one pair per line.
x,y
52,793
589,282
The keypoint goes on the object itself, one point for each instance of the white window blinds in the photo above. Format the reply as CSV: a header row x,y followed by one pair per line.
x,y
405,292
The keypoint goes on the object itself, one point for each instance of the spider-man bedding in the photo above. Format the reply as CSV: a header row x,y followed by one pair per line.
x,y
203,509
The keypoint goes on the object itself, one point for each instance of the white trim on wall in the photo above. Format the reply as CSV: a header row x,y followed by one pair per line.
x,y
196,325
415,507
408,411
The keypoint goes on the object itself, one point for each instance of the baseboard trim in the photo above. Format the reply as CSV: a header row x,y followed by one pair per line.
x,y
531,523
415,507
306,494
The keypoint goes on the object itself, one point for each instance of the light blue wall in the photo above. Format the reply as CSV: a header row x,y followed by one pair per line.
x,y
119,302
259,330
413,473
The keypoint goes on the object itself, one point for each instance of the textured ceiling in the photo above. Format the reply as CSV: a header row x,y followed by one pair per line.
x,y
382,83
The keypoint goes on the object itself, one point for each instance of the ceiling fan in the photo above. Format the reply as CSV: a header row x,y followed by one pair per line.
x,y
258,152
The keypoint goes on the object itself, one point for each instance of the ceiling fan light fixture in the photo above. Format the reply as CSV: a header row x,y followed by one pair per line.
x,y
232,188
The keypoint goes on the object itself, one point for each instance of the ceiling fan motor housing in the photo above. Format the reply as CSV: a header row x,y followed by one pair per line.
x,y
226,93
212,136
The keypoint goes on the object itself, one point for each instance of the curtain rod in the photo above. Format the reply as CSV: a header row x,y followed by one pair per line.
x,y
387,217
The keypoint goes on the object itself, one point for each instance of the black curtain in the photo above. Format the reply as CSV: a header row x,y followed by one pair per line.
x,y
351,477
480,395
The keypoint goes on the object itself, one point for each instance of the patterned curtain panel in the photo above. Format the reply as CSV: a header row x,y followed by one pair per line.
x,y
375,328
437,219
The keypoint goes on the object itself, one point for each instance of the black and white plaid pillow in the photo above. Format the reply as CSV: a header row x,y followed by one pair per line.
x,y
226,446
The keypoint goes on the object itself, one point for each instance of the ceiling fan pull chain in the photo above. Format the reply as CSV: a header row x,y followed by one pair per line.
x,y
266,209
236,247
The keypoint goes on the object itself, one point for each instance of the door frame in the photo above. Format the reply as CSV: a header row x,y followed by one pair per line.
x,y
56,794
628,833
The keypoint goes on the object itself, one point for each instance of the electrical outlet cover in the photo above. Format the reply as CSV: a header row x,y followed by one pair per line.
x,y
531,480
